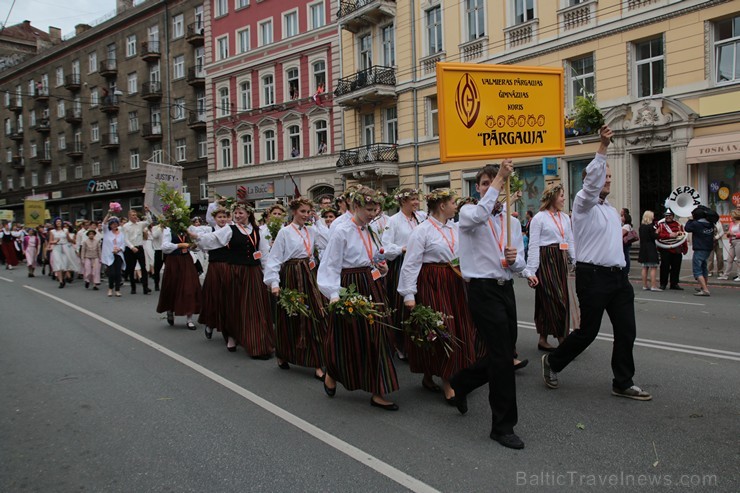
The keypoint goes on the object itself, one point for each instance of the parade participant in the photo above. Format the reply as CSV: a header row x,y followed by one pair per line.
x,y
717,250
326,202
31,244
489,264
248,315
180,291
134,253
345,205
381,223
428,277
148,250
670,258
42,254
601,281
358,353
8,246
400,227
112,253
90,253
59,240
291,265
276,211
81,235
648,255
156,236
627,228
733,258
551,249
702,241
327,217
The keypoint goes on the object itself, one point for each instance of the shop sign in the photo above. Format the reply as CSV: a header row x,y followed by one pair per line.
x,y
96,186
254,191
488,111
550,166
56,195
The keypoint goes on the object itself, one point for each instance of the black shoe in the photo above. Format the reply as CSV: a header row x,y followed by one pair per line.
x,y
663,287
521,364
96,288
461,400
547,349
431,387
231,349
190,325
209,332
133,290
677,288
388,407
509,441
61,285
170,318
87,284
284,365
329,391
451,401
147,290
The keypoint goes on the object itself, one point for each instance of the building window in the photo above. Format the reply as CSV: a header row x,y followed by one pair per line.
x,y
321,135
245,96
33,150
134,159
10,182
131,45
179,109
92,62
114,165
94,132
225,145
268,90
727,50
95,168
62,174
61,143
203,187
133,83
242,41
240,4
60,108
649,67
94,97
247,149
265,28
316,15
178,67
178,26
48,178
294,138
78,172
269,139
222,48
291,76
290,24
523,11
388,36
222,7
368,129
319,75
180,150
32,118
60,76
432,120
475,21
433,18
366,51
202,145
133,121
224,107
581,75
390,129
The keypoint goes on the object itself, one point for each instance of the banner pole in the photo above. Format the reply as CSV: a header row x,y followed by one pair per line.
x,y
508,211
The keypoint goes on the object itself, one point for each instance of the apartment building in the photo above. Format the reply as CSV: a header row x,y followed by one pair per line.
x,y
82,118
664,72
273,123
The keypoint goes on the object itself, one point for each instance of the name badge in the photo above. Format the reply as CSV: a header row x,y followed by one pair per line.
x,y
504,263
375,273
257,255
311,264
563,246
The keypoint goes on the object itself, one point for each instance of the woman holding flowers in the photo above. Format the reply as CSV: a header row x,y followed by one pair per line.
x,y
112,253
428,276
358,349
215,286
292,266
248,318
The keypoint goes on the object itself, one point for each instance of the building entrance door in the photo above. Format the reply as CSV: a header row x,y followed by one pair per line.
x,y
655,183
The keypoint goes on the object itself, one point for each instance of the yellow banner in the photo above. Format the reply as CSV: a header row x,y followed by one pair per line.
x,y
6,215
34,212
492,111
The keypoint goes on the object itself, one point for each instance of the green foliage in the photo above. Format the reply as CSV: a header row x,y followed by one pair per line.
x,y
587,116
176,212
426,328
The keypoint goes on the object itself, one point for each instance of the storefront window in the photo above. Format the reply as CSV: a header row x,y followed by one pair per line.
x,y
723,181
534,185
97,211
575,177
136,203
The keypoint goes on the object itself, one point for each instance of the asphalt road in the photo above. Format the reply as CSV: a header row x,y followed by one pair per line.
x,y
100,394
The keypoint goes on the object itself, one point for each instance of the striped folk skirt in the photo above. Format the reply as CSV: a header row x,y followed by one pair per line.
x,y
180,292
551,299
248,313
440,288
358,355
215,293
300,340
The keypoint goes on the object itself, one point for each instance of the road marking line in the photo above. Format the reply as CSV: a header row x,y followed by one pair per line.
x,y
6,279
351,451
669,301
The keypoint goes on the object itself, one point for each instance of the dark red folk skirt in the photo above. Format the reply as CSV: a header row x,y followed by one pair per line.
x,y
215,292
248,310
180,290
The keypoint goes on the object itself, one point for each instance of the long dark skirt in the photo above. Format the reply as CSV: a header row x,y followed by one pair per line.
x,y
359,355
440,288
180,291
249,317
300,340
551,299
215,292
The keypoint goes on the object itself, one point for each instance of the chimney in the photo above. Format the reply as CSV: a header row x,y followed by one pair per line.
x,y
123,5
81,28
55,34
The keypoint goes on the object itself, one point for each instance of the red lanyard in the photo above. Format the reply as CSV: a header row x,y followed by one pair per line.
x,y
306,240
496,237
253,241
368,244
452,234
559,223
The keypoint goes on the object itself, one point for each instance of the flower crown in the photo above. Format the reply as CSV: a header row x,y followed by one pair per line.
x,y
363,199
399,195
220,210
440,194
551,193
461,201
242,205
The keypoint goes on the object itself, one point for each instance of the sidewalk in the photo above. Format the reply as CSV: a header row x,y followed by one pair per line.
x,y
686,277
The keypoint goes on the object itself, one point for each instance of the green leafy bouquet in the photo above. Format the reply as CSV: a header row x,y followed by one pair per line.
x,y
294,303
426,327
176,212
587,116
274,225
352,304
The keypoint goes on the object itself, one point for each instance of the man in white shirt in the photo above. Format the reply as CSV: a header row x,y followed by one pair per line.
x,y
601,281
489,263
133,233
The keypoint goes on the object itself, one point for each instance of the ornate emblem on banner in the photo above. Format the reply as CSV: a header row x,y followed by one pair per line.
x,y
467,101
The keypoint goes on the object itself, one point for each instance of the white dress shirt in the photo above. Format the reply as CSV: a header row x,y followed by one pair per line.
x,y
346,250
427,245
156,235
544,230
482,239
380,224
221,237
134,231
347,216
290,243
597,228
399,229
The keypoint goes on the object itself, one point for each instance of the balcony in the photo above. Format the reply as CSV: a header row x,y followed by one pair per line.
x,y
354,15
579,16
151,91
41,95
18,162
151,131
110,141
195,33
522,34
369,161
109,104
16,133
15,104
72,82
474,49
75,149
197,120
374,85
196,76
109,68
73,116
150,51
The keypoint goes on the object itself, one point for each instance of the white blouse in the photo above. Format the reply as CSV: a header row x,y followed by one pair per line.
x,y
380,224
347,249
431,242
544,230
399,229
221,237
291,242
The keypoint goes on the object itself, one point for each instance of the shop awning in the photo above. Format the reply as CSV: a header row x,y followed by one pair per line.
x,y
712,148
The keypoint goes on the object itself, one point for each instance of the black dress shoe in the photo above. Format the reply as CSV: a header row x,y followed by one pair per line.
x,y
284,365
451,401
170,318
321,378
677,288
87,285
509,441
461,400
147,290
547,349
231,349
388,407
190,325
431,387
208,332
329,391
521,364
663,286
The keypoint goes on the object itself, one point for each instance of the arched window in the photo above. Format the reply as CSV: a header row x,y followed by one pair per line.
x,y
225,145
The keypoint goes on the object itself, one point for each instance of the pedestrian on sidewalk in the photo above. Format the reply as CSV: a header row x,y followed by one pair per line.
x,y
717,251
733,258
702,231
648,255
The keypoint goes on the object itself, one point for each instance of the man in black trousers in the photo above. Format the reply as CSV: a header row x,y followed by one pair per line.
x,y
133,236
490,264
601,281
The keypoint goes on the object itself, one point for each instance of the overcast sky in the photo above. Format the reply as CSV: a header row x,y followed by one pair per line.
x,y
63,14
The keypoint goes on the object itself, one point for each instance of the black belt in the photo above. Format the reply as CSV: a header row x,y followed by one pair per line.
x,y
499,282
604,268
